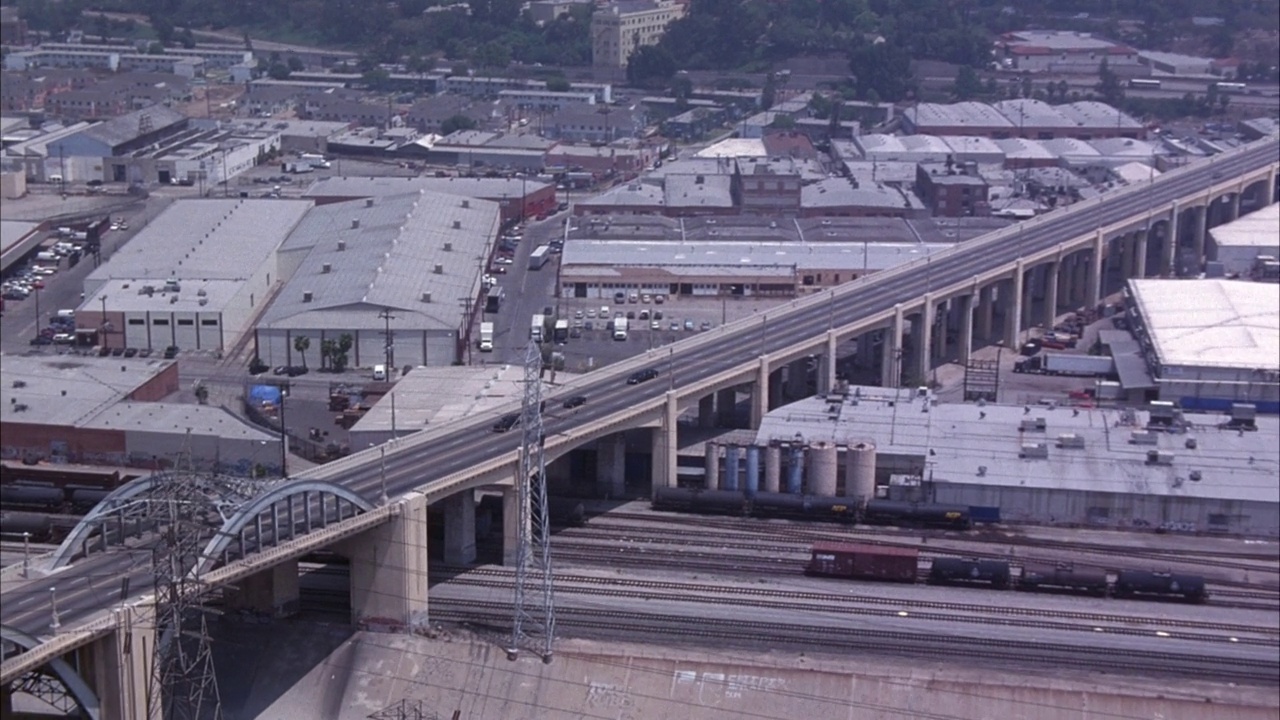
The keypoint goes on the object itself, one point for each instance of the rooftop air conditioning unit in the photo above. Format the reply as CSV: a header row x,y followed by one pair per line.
x,y
1155,457
448,247
306,296
368,202
355,223
1143,437
342,245
457,224
466,203
1071,441
1034,451
326,268
426,297
439,269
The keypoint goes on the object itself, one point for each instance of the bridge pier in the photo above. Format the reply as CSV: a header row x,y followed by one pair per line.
x,y
1169,250
891,365
1140,253
827,364
389,570
965,337
1199,223
611,464
1051,272
511,520
986,311
942,329
1093,272
118,666
273,591
665,446
924,336
460,528
1013,307
707,411
727,407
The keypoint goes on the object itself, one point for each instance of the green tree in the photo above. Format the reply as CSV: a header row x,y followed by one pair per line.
x,y
186,38
783,122
340,354
558,83
295,64
968,84
456,123
327,349
770,92
302,343
102,26
651,66
278,71
881,68
1109,85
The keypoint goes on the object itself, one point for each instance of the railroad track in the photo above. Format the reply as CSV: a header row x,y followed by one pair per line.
x,y
496,615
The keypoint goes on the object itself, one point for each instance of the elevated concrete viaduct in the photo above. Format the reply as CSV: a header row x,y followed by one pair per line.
x,y
1062,258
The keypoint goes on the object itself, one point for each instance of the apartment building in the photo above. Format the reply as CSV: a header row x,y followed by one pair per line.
x,y
619,28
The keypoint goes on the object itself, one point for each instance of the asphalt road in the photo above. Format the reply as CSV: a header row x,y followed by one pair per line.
x,y
414,464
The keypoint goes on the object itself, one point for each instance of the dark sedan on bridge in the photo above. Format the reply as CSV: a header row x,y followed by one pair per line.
x,y
575,401
642,375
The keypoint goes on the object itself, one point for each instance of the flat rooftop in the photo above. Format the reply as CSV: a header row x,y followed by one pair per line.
x,y
13,232
69,389
745,256
735,148
1211,322
435,395
1260,229
206,420
965,443
485,188
213,239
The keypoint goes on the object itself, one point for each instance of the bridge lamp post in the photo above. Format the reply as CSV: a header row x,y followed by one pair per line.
x,y
26,554
382,466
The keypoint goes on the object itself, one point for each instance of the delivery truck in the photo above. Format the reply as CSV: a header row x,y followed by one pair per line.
x,y
486,337
1066,364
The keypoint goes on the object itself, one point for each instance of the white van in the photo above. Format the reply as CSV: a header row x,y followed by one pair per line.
x,y
48,256
380,373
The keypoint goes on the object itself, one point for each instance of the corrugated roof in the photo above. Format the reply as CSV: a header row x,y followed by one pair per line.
x,y
1259,229
1211,322
388,260
120,130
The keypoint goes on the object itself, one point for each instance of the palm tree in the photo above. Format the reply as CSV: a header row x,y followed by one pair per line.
x,y
301,344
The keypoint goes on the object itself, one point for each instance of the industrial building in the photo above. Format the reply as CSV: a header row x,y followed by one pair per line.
x,y
621,27
194,277
519,198
1209,343
108,411
408,263
1237,245
430,396
1118,468
1056,51
1025,118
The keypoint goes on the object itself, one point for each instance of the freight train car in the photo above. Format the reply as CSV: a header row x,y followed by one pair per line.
x,y
893,512
1144,583
816,507
709,502
41,527
1063,577
863,562
965,571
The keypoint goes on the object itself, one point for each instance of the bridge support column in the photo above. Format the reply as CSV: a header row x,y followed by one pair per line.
x,y
511,520
1094,293
1169,250
665,446
1013,308
611,466
797,380
1140,253
1233,207
776,386
924,348
1051,271
119,670
827,365
986,312
1269,189
760,393
272,592
1199,225
965,336
891,367
460,528
727,407
942,329
389,570
707,411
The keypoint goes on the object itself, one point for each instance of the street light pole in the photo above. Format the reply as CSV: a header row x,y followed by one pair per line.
x,y
54,624
382,463
26,554
103,339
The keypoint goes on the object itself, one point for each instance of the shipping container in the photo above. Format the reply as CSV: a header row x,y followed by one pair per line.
x,y
863,562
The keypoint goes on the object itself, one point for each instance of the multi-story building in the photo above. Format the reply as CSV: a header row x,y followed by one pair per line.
x,y
619,28
1062,52
952,191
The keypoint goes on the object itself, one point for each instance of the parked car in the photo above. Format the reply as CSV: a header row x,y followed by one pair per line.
x,y
688,325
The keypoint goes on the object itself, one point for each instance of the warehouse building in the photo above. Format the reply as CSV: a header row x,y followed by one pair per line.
x,y
1237,245
194,277
1058,51
415,257
519,197
1034,119
429,396
1115,468
1209,343
107,411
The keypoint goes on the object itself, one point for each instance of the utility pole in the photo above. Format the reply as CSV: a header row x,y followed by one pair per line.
x,y
534,619
386,315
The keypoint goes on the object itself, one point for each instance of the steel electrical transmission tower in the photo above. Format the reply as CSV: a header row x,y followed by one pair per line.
x,y
183,685
534,621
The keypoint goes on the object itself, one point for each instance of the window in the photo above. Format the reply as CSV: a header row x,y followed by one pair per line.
x,y
137,321
209,323
160,321
187,322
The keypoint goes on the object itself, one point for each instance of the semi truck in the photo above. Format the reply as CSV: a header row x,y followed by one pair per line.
x,y
536,326
539,257
296,167
315,160
486,337
1064,364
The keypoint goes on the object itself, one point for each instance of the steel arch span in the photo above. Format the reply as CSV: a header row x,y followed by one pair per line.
x,y
128,504
317,502
36,682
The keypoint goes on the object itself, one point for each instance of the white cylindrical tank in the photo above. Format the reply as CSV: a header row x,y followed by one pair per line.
x,y
772,467
860,472
823,465
713,466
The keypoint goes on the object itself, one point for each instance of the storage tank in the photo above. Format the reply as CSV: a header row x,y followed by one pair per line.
x,y
772,467
795,469
752,484
823,464
860,472
732,468
713,466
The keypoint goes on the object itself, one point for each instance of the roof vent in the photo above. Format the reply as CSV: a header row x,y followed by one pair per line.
x,y
306,296
1191,443
368,202
204,301
355,223
1071,441
173,298
1195,476
448,247
439,269
457,224
426,297
1032,425
466,203
326,268
1143,437
342,245
1155,457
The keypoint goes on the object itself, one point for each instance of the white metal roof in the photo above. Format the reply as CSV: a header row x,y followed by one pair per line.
x,y
1257,229
69,389
735,148
1211,322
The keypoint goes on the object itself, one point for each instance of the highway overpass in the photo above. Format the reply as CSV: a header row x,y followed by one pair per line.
x,y
1067,257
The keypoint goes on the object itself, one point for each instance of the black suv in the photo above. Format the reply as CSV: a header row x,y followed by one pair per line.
x,y
642,375
575,401
506,423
